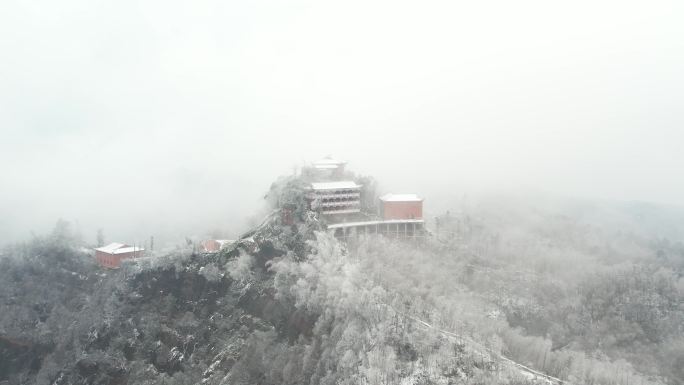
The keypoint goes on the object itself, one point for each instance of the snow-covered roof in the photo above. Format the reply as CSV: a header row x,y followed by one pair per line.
x,y
128,249
224,241
326,166
111,247
401,198
335,185
119,248
371,223
329,161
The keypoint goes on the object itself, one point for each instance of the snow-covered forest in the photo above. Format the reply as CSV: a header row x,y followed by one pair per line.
x,y
503,293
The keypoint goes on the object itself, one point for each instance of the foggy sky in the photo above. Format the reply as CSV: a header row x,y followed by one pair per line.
x,y
146,117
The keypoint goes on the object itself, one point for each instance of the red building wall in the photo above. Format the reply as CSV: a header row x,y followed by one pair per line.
x,y
113,261
211,245
401,210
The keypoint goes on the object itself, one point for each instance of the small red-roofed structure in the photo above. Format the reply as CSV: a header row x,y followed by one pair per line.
x,y
214,245
110,256
401,206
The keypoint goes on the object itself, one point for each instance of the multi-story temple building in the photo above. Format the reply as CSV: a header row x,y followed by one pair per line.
x,y
342,197
338,201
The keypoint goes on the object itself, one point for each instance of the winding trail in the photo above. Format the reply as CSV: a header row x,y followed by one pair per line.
x,y
525,370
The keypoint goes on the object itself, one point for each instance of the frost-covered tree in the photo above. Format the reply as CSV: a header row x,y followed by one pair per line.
x,y
100,237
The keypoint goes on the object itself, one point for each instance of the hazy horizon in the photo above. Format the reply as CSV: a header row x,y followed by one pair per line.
x,y
155,117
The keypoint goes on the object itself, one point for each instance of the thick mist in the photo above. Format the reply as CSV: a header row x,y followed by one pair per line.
x,y
169,119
